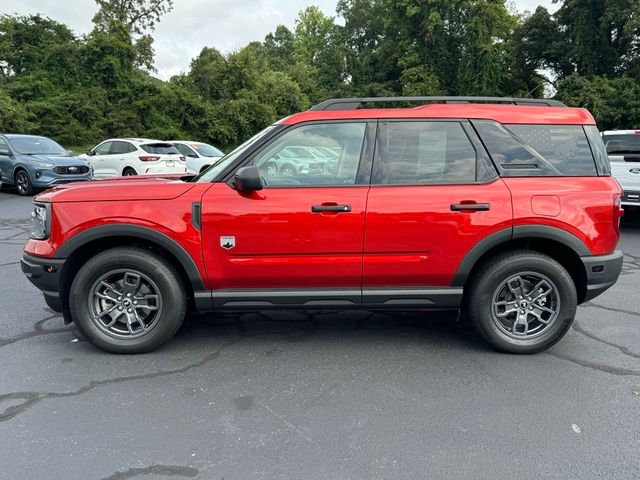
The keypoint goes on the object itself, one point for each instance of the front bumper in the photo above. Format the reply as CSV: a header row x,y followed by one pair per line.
x,y
44,273
602,272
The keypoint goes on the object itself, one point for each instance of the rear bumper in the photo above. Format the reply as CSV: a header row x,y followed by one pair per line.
x,y
602,272
44,273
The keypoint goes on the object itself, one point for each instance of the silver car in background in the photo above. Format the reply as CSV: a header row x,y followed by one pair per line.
x,y
623,149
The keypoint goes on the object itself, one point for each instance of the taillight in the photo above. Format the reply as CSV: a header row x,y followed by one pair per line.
x,y
183,159
618,211
149,158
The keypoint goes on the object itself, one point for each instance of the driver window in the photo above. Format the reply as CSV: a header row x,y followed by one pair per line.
x,y
319,154
103,149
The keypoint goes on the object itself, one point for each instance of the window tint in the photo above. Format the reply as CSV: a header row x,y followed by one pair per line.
x,y
160,148
118,148
565,146
424,153
288,160
598,149
103,149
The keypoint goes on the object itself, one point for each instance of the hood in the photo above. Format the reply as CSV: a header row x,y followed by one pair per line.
x,y
57,160
117,189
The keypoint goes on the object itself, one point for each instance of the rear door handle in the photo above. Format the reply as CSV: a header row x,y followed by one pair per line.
x,y
330,207
476,207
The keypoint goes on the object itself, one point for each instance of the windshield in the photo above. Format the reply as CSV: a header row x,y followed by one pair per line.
x,y
207,150
621,144
214,170
36,146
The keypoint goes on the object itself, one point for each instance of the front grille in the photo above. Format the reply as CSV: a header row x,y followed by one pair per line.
x,y
631,197
75,170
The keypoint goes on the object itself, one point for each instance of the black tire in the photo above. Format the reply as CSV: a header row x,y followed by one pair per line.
x,y
129,172
490,281
23,183
166,280
288,170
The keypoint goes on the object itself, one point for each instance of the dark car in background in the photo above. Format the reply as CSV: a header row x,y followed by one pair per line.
x,y
32,163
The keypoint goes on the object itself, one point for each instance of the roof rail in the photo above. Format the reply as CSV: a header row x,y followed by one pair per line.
x,y
355,103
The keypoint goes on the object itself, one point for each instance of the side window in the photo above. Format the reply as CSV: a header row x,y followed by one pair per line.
x,y
290,159
424,152
538,150
103,149
565,146
186,151
4,148
119,148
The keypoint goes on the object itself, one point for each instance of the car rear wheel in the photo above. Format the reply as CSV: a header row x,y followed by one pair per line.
x,y
127,300
23,183
129,172
521,301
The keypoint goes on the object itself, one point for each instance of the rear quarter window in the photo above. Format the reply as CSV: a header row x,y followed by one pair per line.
x,y
538,150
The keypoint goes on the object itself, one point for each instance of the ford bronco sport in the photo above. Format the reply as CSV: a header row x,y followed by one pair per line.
x,y
503,209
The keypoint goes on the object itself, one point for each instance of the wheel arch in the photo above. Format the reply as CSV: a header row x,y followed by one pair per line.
x,y
560,245
80,248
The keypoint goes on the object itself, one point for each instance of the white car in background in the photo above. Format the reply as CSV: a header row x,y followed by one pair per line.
x,y
199,155
135,156
623,149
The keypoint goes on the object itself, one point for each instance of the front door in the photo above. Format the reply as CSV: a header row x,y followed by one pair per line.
x,y
299,240
434,195
99,160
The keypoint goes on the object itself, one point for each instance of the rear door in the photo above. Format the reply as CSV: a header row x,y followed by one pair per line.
x,y
434,195
299,240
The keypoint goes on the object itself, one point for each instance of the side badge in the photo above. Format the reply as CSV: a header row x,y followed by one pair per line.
x,y
227,242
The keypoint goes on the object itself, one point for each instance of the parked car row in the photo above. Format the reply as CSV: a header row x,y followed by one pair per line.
x,y
32,162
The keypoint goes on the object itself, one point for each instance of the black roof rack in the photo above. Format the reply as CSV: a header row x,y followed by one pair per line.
x,y
355,103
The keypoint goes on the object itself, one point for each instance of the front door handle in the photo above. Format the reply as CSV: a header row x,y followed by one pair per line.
x,y
330,207
474,207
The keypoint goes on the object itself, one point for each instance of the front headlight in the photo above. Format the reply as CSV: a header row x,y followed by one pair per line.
x,y
38,164
40,221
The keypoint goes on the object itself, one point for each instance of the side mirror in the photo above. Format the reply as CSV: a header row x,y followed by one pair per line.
x,y
248,179
193,155
70,153
5,152
91,153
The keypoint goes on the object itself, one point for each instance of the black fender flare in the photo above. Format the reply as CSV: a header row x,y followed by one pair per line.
x,y
137,231
519,232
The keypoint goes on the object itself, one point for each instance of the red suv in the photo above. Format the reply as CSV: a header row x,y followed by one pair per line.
x,y
503,209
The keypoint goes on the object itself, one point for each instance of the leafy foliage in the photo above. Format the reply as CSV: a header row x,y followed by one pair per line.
x,y
81,89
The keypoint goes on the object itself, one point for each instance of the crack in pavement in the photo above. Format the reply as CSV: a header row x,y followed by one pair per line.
x,y
623,349
36,332
611,309
596,366
165,470
32,398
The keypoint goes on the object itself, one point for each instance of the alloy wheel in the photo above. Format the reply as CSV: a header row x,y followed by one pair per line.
x,y
525,305
125,303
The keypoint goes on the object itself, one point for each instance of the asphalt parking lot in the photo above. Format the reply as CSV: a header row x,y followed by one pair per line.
x,y
338,395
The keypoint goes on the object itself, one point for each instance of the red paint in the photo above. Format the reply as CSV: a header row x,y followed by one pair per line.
x,y
279,241
510,114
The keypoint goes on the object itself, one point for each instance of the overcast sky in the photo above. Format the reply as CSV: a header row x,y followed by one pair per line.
x,y
194,24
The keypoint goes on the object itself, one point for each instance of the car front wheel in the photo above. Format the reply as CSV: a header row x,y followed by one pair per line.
x,y
521,301
127,300
23,183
